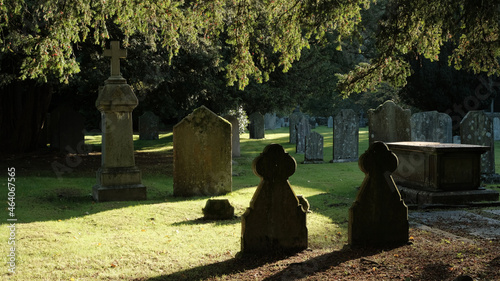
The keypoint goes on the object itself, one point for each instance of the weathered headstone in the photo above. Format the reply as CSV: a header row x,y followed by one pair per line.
x,y
286,122
456,139
322,121
362,119
236,152
148,126
431,126
202,154
303,129
345,136
330,122
279,122
496,127
218,209
66,130
118,178
378,217
477,128
275,220
314,149
270,121
293,120
495,117
256,126
389,123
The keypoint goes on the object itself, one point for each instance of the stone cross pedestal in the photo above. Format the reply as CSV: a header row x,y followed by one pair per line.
x,y
378,217
275,220
118,179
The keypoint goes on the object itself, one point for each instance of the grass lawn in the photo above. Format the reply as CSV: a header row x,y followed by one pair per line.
x,y
61,234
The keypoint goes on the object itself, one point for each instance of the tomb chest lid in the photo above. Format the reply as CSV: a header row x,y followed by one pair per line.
x,y
435,147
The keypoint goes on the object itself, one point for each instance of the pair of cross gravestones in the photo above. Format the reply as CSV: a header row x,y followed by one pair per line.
x,y
276,219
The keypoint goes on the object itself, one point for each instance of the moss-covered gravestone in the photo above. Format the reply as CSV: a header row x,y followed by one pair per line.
x,y
389,123
275,220
202,154
379,216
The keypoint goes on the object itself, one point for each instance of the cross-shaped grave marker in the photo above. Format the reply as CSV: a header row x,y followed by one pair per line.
x,y
116,54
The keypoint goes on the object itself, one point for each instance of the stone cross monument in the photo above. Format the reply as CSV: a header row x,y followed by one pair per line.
x,y
118,179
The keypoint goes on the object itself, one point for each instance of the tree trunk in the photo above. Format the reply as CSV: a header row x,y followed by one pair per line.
x,y
24,107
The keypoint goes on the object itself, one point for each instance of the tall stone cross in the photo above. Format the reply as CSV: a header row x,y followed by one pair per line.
x,y
116,54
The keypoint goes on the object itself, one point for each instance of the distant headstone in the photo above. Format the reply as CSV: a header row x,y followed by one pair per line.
x,y
118,178
202,154
256,126
389,123
279,122
314,149
270,121
431,126
148,126
294,120
495,117
235,139
456,139
286,122
345,136
477,128
313,123
362,119
66,130
322,121
303,129
378,217
330,122
275,220
218,209
362,122
496,127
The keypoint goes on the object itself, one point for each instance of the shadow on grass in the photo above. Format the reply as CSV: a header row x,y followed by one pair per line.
x,y
201,221
66,203
293,271
165,140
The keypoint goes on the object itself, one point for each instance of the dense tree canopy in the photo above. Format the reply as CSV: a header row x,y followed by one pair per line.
x,y
411,28
183,53
45,33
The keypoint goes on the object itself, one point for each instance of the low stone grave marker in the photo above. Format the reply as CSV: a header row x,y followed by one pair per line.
x,y
148,126
303,130
314,149
477,128
256,126
345,136
431,126
235,138
218,209
66,130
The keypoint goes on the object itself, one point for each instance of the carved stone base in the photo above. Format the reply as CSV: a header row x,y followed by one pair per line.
x,y
421,197
119,184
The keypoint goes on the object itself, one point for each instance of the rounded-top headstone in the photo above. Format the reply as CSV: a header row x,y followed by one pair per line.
x,y
274,164
378,158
